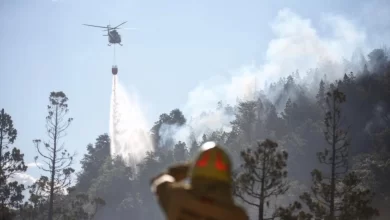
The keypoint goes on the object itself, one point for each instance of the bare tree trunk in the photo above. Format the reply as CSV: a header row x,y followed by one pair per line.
x,y
333,175
261,205
53,169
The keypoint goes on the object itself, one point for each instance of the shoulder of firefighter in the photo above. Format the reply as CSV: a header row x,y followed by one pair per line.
x,y
178,200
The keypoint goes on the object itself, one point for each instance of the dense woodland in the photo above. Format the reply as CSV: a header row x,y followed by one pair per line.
x,y
324,156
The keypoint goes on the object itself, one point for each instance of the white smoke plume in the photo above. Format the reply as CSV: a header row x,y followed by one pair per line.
x,y
23,178
297,46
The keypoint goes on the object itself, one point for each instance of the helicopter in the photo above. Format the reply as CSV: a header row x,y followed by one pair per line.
x,y
113,36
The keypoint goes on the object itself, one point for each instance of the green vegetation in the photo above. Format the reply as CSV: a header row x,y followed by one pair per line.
x,y
11,162
297,155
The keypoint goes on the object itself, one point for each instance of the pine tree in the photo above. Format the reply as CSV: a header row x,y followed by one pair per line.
x,y
245,122
338,195
263,175
320,97
92,161
180,152
56,157
11,162
337,138
194,146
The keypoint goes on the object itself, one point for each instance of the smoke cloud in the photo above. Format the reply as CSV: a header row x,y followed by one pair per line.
x,y
298,45
23,178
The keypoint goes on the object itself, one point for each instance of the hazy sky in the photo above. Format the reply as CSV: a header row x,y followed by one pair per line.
x,y
178,46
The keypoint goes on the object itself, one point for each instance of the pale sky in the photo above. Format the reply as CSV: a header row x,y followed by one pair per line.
x,y
178,45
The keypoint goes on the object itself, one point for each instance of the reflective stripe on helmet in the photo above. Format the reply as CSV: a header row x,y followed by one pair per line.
x,y
204,160
219,163
212,163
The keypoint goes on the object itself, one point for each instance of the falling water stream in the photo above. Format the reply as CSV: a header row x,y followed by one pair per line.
x,y
128,126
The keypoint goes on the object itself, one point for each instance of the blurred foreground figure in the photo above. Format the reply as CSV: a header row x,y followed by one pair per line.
x,y
209,195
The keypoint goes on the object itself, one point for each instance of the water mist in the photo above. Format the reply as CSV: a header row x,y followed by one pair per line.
x,y
128,127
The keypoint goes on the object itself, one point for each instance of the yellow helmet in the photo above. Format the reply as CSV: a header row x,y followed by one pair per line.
x,y
212,163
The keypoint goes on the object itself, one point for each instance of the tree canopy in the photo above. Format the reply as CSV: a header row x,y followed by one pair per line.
x,y
300,150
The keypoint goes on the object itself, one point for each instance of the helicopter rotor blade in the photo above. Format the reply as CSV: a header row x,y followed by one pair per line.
x,y
121,29
94,26
119,25
111,29
128,28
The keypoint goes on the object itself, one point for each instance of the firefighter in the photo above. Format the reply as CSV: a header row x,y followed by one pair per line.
x,y
209,193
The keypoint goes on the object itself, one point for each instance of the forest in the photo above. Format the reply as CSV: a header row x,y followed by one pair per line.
x,y
297,155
